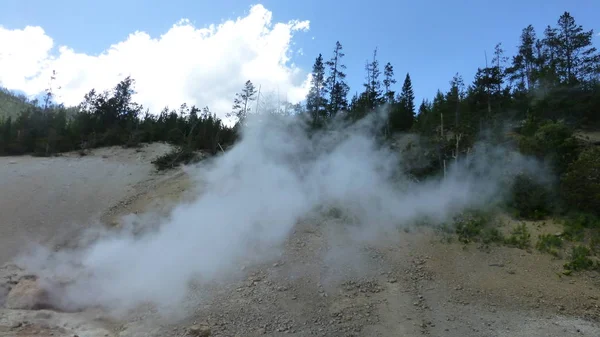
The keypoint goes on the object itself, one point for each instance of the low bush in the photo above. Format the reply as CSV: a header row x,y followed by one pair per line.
x,y
520,237
579,259
580,185
530,199
549,243
179,156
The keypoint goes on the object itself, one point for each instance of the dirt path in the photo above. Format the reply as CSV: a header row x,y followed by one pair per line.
x,y
408,284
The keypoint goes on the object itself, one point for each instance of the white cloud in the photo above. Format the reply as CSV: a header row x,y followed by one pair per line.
x,y
202,66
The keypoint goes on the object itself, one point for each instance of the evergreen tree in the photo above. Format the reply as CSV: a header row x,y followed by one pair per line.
x,y
336,84
241,103
548,59
388,81
455,96
523,68
576,58
402,114
316,102
373,95
407,96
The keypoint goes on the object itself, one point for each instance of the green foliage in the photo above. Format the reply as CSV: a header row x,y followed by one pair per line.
x,y
336,82
242,102
530,199
11,105
595,241
549,243
473,226
492,235
576,224
179,156
580,186
520,237
579,259
552,142
573,231
107,119
316,100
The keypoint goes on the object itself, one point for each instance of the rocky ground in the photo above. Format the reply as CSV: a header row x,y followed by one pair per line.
x,y
410,283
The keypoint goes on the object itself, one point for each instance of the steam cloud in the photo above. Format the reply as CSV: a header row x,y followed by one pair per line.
x,y
252,198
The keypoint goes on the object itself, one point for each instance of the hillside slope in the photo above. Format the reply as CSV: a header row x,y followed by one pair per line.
x,y
408,283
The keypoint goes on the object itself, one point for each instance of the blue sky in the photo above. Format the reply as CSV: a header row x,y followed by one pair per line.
x,y
430,39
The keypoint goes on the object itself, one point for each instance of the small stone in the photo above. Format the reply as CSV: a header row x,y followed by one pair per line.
x,y
392,280
199,331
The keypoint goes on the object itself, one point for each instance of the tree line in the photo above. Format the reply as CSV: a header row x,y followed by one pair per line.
x,y
107,119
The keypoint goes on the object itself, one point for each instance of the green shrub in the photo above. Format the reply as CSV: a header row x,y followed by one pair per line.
x,y
580,185
549,243
595,241
552,141
490,235
530,199
579,259
175,158
520,237
469,225
576,224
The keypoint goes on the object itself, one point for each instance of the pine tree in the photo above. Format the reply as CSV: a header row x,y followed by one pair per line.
x,y
523,68
407,96
373,94
548,58
402,114
455,96
316,102
577,60
498,67
388,81
336,84
241,103
425,120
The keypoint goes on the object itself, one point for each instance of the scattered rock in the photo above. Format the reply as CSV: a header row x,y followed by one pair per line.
x,y
199,330
27,295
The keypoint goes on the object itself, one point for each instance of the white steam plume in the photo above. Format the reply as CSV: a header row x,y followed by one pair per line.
x,y
254,195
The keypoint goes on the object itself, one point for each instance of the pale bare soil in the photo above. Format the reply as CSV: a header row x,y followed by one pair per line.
x,y
410,283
